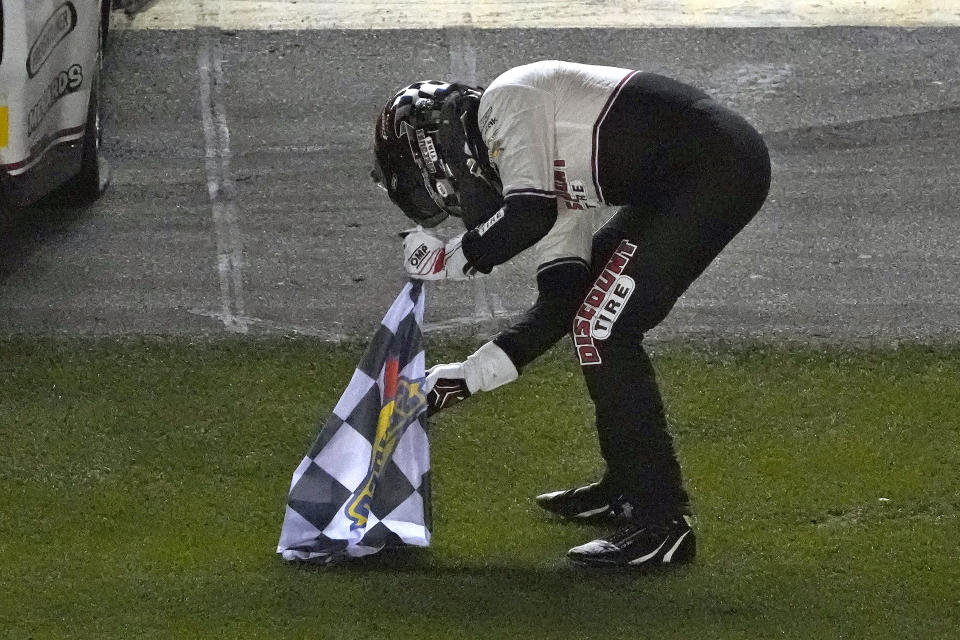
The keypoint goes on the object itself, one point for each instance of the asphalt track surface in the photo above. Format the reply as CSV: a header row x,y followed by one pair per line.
x,y
241,200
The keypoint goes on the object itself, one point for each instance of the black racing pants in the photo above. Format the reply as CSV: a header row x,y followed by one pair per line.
x,y
692,174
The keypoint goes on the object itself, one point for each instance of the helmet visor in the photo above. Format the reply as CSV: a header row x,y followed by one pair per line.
x,y
406,189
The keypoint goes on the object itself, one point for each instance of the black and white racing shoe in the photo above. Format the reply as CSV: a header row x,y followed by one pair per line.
x,y
592,502
641,544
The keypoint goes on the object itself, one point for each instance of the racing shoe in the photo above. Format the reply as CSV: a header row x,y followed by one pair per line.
x,y
641,544
592,502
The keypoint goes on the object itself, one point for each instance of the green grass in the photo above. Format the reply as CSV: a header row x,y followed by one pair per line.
x,y
143,484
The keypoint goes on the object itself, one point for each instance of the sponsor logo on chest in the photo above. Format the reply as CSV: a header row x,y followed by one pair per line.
x,y
603,305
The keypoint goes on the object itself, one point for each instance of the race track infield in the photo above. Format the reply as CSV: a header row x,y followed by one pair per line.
x,y
144,484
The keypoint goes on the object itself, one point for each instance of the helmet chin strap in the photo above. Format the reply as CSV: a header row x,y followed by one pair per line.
x,y
440,190
477,162
477,172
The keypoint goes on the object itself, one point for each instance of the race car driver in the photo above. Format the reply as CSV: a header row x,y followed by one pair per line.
x,y
521,163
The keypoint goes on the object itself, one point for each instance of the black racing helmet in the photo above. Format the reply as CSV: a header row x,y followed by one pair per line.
x,y
429,157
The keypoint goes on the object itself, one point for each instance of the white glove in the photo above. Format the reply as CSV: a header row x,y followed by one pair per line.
x,y
488,368
427,257
455,263
423,254
485,370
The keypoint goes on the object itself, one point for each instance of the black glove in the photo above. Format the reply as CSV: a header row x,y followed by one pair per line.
x,y
486,369
445,393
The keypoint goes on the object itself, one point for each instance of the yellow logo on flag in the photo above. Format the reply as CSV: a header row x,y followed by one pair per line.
x,y
4,126
408,402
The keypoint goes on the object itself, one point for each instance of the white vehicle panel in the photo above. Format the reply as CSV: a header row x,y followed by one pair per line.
x,y
48,64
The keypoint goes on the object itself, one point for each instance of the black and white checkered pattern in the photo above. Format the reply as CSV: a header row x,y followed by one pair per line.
x,y
316,527
429,95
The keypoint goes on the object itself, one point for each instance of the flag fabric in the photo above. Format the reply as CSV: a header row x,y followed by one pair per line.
x,y
364,485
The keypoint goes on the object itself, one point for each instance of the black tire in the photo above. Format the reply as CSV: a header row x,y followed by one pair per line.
x,y
105,24
84,187
87,185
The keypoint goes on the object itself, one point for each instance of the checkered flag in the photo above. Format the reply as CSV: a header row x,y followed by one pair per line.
x,y
365,483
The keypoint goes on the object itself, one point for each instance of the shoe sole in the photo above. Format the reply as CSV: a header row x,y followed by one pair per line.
x,y
677,554
647,567
655,565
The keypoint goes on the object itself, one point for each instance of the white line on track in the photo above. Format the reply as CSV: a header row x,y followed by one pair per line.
x,y
221,188
463,68
270,15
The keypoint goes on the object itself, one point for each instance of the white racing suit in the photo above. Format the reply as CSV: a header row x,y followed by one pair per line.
x,y
688,175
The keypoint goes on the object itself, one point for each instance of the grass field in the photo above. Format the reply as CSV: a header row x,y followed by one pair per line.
x,y
143,485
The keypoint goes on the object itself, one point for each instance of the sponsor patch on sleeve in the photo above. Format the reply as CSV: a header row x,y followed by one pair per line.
x,y
494,219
